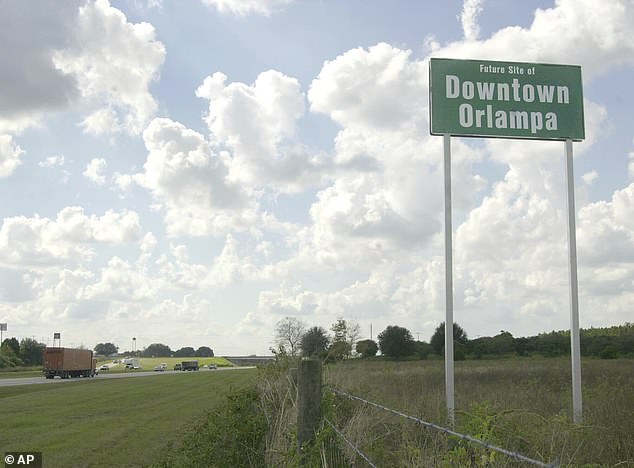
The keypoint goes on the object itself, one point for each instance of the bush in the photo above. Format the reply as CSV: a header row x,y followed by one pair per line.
x,y
232,434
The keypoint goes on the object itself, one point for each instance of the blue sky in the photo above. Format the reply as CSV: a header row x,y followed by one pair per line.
x,y
191,174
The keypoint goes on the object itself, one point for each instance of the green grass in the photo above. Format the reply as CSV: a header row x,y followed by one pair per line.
x,y
519,404
13,372
118,422
150,363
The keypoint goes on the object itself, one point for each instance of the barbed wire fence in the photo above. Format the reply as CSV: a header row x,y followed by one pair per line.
x,y
429,425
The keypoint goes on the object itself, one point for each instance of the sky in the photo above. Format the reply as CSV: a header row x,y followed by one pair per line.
x,y
190,173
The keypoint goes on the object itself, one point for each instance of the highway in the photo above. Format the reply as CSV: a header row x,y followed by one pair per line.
x,y
8,382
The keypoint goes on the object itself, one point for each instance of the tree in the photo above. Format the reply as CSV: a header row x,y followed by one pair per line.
x,y
106,349
338,351
314,342
13,344
438,338
9,353
345,331
187,351
31,352
396,342
288,333
204,351
157,350
367,348
339,330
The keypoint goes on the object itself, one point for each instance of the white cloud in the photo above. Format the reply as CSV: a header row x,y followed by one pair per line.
x,y
67,239
589,177
257,122
469,19
122,282
229,267
94,171
9,155
52,161
192,180
245,7
593,35
88,56
114,62
378,88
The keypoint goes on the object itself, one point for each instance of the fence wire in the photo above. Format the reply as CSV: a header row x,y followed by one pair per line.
x,y
509,453
359,452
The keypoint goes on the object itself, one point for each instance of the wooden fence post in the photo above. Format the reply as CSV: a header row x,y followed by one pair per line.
x,y
308,401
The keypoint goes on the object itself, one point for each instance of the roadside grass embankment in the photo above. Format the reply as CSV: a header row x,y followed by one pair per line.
x,y
148,363
118,422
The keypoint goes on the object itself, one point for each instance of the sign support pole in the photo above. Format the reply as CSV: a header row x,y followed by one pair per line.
x,y
449,371
575,349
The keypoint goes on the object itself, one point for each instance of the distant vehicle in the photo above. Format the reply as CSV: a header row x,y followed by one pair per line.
x,y
177,366
129,365
104,367
213,366
159,369
136,367
68,362
189,365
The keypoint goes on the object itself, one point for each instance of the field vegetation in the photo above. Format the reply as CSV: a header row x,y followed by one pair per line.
x,y
520,404
148,363
113,422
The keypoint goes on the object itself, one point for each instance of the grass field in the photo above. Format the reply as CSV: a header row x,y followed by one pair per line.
x,y
114,422
150,363
520,404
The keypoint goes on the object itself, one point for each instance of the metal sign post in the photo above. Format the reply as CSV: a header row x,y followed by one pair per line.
x,y
575,348
508,100
449,372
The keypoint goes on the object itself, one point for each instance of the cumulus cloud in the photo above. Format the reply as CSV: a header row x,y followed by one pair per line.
x,y
94,171
45,242
88,55
593,35
123,282
245,7
510,245
469,19
184,172
10,154
377,88
257,123
34,84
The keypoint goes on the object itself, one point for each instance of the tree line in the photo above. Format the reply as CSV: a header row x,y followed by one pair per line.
x,y
156,350
295,338
26,352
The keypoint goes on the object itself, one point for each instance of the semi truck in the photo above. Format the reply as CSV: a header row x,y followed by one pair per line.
x,y
189,365
68,362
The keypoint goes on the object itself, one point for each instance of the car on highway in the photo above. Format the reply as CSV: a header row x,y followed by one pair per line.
x,y
178,366
159,369
104,367
213,366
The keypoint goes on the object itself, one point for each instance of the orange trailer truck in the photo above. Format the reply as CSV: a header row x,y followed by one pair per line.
x,y
68,362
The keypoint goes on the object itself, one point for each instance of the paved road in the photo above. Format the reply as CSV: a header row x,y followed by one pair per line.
x,y
105,375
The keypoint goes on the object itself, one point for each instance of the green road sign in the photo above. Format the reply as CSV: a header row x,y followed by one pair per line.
x,y
505,99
